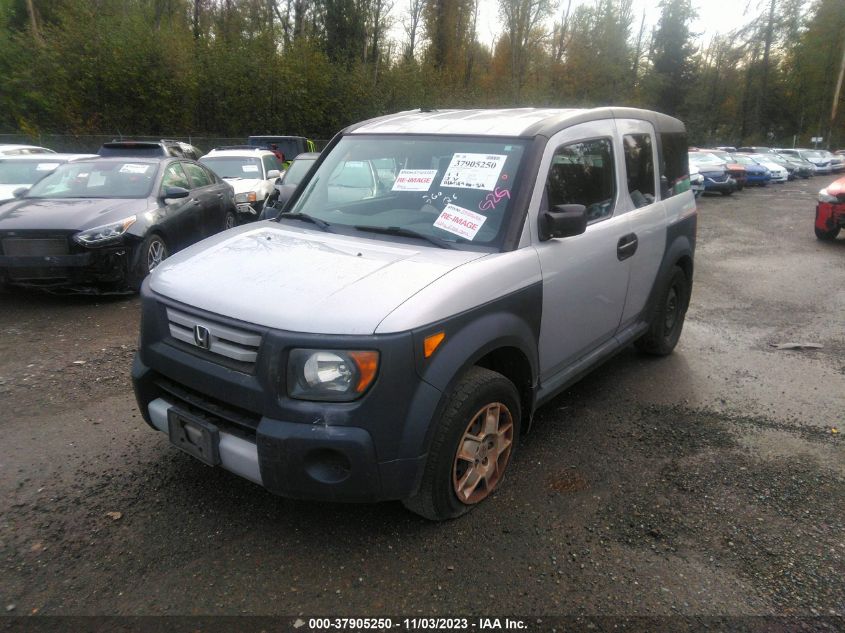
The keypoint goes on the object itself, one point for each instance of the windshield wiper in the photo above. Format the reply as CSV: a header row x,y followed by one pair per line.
x,y
322,224
402,232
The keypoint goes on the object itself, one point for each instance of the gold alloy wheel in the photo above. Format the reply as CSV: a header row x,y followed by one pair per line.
x,y
483,453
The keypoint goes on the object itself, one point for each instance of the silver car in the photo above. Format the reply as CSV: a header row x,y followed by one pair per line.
x,y
437,277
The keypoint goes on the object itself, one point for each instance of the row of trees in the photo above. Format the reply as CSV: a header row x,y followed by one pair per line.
x,y
233,67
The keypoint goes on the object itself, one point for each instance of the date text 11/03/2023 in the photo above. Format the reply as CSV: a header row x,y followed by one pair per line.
x,y
414,624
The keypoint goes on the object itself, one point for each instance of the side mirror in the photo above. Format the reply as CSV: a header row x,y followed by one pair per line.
x,y
273,174
563,220
283,195
176,192
20,192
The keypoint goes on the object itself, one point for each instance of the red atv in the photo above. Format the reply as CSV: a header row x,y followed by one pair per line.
x,y
830,211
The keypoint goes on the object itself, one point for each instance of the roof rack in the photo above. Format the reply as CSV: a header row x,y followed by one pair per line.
x,y
252,147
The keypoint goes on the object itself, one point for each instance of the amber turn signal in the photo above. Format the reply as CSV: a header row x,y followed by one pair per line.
x,y
431,343
367,364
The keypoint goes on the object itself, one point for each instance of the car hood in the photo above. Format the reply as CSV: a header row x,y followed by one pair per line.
x,y
67,213
302,280
836,188
241,185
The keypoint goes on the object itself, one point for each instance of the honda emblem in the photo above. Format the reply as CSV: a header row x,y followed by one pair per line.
x,y
202,337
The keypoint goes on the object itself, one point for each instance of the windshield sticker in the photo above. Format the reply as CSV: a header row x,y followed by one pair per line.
x,y
459,221
489,203
474,171
133,168
249,169
46,166
82,174
414,180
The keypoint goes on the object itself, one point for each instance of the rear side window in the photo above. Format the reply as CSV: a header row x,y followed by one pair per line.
x,y
674,165
639,167
583,173
198,175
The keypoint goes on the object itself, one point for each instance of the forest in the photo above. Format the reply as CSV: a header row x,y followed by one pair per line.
x,y
310,67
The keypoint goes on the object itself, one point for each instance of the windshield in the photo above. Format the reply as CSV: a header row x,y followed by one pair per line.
x,y
100,179
25,172
742,160
297,170
234,167
449,188
811,153
702,157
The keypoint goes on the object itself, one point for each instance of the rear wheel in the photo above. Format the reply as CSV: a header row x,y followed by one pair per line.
x,y
472,446
667,320
827,236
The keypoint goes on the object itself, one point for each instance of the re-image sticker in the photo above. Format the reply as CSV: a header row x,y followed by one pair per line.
x,y
459,221
414,180
474,171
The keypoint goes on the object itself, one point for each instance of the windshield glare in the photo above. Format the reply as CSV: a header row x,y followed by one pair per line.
x,y
450,188
25,172
234,167
101,179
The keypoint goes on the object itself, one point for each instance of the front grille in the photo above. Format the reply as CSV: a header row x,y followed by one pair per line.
x,y
232,419
34,247
233,343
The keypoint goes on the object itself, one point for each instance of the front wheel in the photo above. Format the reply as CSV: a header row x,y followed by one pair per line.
x,y
472,446
667,320
151,253
230,220
827,236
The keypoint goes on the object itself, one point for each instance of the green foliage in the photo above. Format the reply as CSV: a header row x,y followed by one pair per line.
x,y
238,67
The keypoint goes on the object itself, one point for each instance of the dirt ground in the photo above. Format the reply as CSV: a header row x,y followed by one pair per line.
x,y
711,482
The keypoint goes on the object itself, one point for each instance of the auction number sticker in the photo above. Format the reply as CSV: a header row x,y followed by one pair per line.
x,y
459,221
249,169
414,180
133,168
474,171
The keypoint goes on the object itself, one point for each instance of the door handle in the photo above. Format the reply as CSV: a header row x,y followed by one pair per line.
x,y
626,246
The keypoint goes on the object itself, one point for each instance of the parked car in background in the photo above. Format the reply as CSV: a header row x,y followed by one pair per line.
x,y
22,150
756,149
286,148
284,188
164,147
101,225
820,162
830,210
735,169
783,161
778,172
696,181
252,173
755,173
24,170
715,173
393,346
802,167
837,163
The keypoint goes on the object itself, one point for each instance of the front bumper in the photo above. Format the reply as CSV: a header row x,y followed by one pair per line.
x,y
250,209
719,184
371,449
77,269
830,215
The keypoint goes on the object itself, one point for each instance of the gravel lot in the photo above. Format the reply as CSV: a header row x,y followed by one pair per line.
x,y
708,483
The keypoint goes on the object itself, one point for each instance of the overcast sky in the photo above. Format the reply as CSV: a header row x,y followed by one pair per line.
x,y
714,16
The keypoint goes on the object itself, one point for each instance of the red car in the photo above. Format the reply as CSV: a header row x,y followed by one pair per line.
x,y
830,211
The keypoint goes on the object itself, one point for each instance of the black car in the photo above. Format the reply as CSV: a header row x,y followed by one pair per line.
x,y
101,225
286,148
164,147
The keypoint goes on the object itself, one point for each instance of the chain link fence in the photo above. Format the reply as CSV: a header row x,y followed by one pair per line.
x,y
90,143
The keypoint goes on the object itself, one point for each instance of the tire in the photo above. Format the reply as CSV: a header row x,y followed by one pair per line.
x,y
478,392
230,221
826,236
152,251
667,320
727,192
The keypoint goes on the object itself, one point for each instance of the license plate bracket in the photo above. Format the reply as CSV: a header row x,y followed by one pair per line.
x,y
194,435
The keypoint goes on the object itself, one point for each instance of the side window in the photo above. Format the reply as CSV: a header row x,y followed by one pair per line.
x,y
674,165
639,168
270,162
583,173
174,176
198,175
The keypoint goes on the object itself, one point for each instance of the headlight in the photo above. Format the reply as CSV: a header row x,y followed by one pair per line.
x,y
249,196
824,196
102,234
330,375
